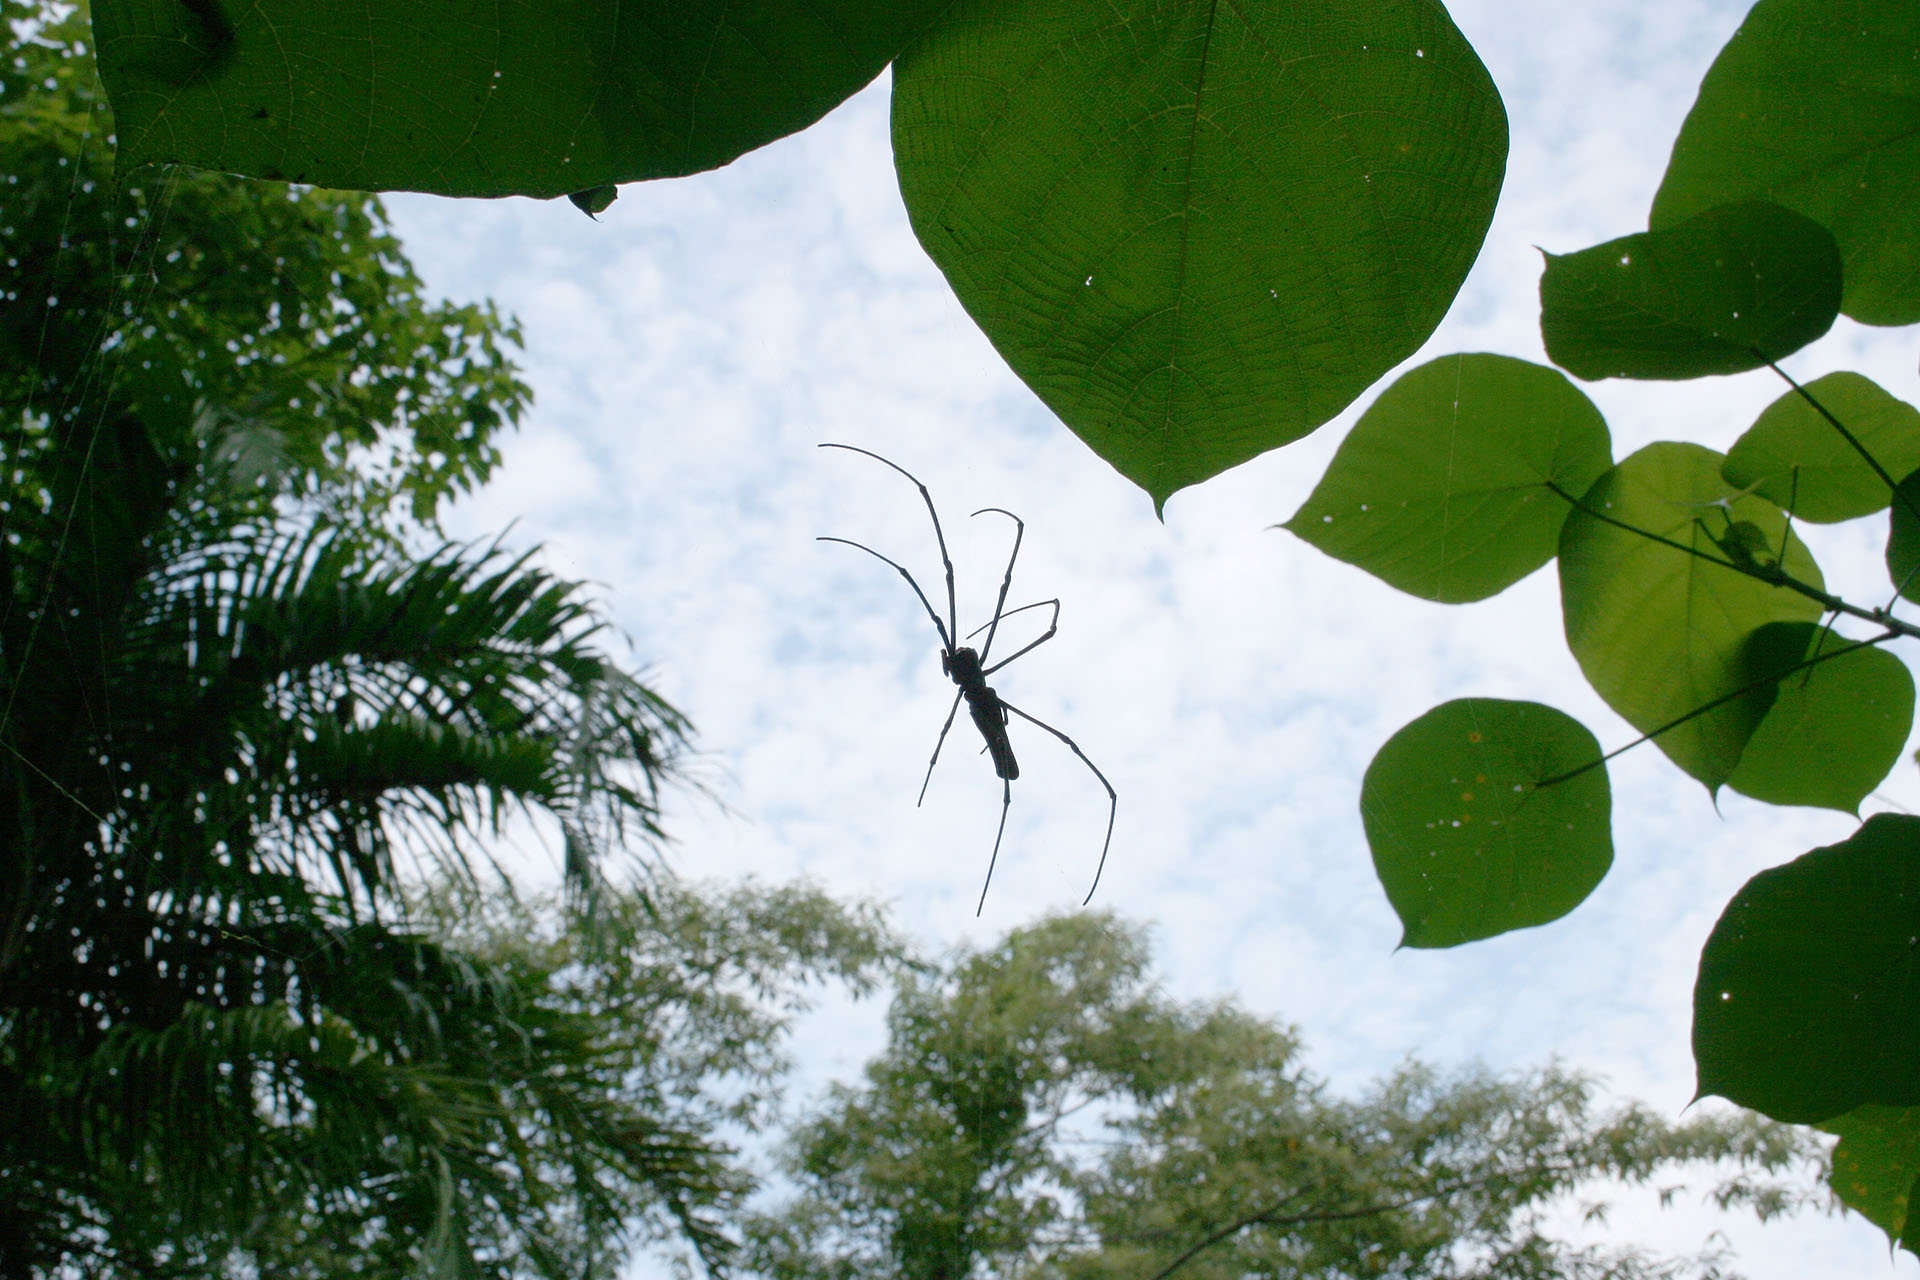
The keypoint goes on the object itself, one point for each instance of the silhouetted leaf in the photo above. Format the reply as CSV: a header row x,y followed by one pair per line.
x,y
1465,841
595,201
473,98
1808,1000
1724,291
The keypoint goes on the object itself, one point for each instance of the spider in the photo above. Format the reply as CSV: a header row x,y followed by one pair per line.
x,y
968,670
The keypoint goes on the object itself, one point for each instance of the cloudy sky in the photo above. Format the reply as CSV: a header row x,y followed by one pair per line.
x,y
690,350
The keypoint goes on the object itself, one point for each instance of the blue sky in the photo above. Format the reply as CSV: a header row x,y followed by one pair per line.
x,y
690,350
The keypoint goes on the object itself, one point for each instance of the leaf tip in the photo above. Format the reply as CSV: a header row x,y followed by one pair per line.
x,y
594,200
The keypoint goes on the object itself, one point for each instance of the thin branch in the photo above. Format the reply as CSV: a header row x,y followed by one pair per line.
x,y
1648,534
1266,1216
53,782
1232,1228
1701,710
1771,575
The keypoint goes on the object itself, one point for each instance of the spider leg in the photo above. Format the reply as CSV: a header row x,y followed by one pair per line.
x,y
946,561
1006,802
938,743
1019,532
1113,797
1053,625
941,627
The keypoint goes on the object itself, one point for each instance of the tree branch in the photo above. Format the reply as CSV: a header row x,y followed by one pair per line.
x,y
1265,1216
1701,710
1772,575
1850,438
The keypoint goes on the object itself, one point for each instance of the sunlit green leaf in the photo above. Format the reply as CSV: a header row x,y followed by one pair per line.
x,y
475,98
1815,105
1198,231
1808,999
1793,456
1876,1166
1834,730
1441,489
1466,842
1725,291
1660,632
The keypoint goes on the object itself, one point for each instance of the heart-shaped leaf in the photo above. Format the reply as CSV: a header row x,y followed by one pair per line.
x,y
1725,291
1903,537
1479,822
1661,632
1835,728
1196,230
1444,488
1807,1003
1795,457
1876,1167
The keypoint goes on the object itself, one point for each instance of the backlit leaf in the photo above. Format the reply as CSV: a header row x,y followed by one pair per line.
x,y
1807,1003
1903,538
1660,632
1877,1165
1442,487
1725,291
1466,842
1198,231
1834,729
1794,457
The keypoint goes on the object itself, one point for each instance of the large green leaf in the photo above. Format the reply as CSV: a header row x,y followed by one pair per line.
x,y
1876,1167
1661,632
1466,842
1793,456
1835,729
1442,488
1199,230
1726,291
1808,999
1815,105
478,98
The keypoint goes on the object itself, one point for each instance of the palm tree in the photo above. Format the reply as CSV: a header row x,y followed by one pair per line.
x,y
230,732
226,738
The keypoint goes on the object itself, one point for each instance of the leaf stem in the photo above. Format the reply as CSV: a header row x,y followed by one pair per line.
x,y
1773,575
1743,691
1859,448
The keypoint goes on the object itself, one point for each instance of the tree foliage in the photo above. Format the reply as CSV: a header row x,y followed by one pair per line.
x,y
648,1047
247,699
1042,1109
1192,259
283,321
